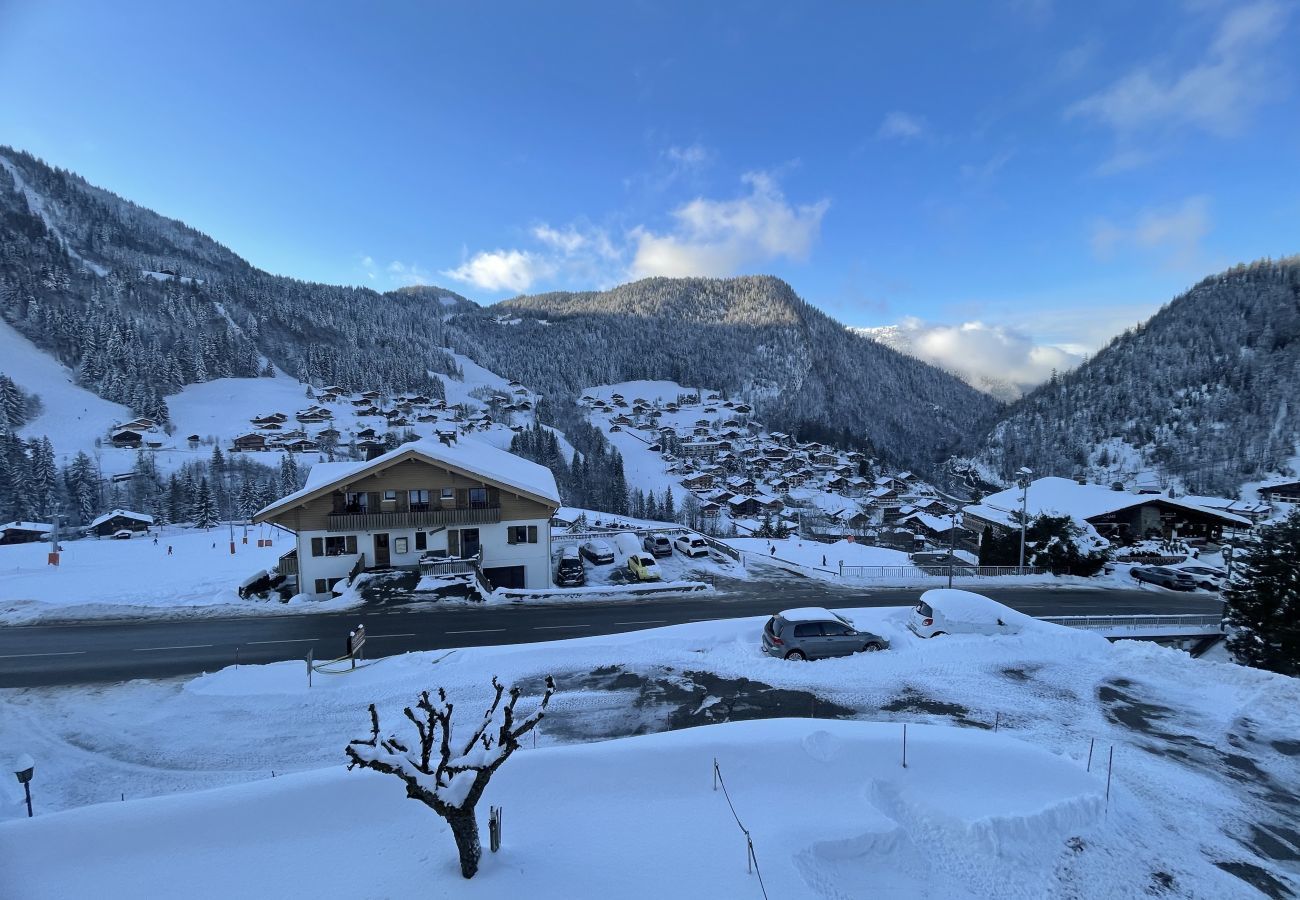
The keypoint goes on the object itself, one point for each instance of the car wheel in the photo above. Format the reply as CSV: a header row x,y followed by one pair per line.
x,y
796,655
871,647
939,634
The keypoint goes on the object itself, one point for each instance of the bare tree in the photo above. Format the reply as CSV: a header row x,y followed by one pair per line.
x,y
450,780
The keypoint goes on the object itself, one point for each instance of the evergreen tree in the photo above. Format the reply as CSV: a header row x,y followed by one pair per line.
x,y
668,512
289,473
1262,603
205,507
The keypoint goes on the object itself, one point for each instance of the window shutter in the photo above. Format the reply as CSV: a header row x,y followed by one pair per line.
x,y
351,543
494,497
462,498
532,534
318,548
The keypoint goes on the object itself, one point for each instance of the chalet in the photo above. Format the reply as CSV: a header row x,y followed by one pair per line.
x,y
743,505
271,426
743,408
780,485
314,415
701,423
776,453
328,398
370,395
671,407
118,520
768,504
426,417
837,483
1121,516
625,421
126,437
522,406
779,436
709,509
360,401
369,410
710,409
699,482
272,419
250,441
333,389
824,459
468,502
24,532
367,434
740,485
1281,492
301,445
332,434
698,448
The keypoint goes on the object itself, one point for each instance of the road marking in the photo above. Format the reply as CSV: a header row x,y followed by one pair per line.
x,y
54,653
182,647
475,631
412,634
286,641
644,622
546,627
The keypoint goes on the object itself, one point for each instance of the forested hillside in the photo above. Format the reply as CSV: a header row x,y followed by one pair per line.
x,y
752,337
1207,392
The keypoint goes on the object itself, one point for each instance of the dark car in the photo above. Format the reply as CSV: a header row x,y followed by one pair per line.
x,y
598,552
570,572
1165,577
815,633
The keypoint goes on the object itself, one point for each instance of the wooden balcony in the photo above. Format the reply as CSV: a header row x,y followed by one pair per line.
x,y
386,521
288,564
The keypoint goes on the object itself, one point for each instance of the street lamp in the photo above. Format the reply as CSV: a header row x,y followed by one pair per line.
x,y
23,769
1023,475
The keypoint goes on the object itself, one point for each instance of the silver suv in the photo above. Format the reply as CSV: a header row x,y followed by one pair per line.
x,y
815,633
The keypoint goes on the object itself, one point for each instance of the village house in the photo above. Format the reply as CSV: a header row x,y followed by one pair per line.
x,y
24,532
426,499
250,441
119,520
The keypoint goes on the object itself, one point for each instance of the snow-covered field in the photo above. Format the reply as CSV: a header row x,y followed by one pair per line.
x,y
1203,801
105,577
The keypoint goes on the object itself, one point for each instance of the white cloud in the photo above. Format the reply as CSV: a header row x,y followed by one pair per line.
x,y
901,126
692,156
1175,233
719,237
501,270
1218,94
994,358
567,240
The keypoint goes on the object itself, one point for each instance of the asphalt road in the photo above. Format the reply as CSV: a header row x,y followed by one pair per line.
x,y
33,655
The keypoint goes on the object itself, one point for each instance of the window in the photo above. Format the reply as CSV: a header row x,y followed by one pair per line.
x,y
447,495
835,629
326,585
357,502
401,545
521,534
808,629
390,496
478,498
340,545
421,541
419,500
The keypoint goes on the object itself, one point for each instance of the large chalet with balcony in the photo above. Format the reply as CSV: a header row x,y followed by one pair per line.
x,y
447,506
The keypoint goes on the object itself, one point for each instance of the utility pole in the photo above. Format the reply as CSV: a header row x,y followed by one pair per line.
x,y
1023,475
54,541
953,521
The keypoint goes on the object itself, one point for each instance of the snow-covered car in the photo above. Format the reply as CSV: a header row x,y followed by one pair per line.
x,y
657,545
643,567
1174,579
122,534
951,611
1207,577
599,552
691,545
570,571
811,632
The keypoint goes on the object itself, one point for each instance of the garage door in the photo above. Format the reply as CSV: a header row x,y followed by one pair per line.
x,y
506,576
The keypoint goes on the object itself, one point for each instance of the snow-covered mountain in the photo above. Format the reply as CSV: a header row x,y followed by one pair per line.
x,y
137,306
1204,394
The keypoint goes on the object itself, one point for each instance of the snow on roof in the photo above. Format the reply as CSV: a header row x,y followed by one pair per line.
x,y
27,526
1064,496
489,463
807,614
124,513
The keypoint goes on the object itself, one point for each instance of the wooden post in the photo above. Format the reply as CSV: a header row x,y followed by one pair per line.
x,y
309,652
904,745
1110,764
1091,742
996,721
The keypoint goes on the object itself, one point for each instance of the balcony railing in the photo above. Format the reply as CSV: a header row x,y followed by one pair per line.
x,y
380,521
288,564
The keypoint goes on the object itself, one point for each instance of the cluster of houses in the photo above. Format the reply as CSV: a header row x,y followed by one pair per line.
x,y
275,431
141,432
743,475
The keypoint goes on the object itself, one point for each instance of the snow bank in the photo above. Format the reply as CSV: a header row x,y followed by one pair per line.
x,y
828,804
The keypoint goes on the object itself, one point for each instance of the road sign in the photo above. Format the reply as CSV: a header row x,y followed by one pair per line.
x,y
356,640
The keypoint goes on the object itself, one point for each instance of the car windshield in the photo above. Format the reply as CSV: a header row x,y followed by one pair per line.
x,y
924,609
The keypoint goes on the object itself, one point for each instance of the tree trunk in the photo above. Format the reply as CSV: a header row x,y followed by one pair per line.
x,y
464,828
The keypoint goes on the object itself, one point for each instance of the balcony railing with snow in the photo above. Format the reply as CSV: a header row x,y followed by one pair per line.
x,y
379,521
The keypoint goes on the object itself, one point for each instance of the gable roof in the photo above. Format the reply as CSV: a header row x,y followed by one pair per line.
x,y
1064,496
467,457
125,514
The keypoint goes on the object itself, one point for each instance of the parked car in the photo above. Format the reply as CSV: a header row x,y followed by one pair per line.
x,y
122,534
657,545
598,552
815,633
1164,576
643,567
691,545
570,572
951,611
1207,577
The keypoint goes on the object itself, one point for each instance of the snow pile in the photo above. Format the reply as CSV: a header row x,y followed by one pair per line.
x,y
970,608
830,807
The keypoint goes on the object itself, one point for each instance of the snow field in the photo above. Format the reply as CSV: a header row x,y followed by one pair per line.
x,y
831,810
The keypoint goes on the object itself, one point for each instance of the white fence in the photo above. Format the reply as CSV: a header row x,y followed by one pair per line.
x,y
1146,626
958,571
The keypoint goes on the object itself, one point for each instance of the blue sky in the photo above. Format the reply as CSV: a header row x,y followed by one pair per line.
x,y
1005,179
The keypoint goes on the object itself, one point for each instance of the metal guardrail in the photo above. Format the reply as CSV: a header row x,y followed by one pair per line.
x,y
1099,623
941,571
